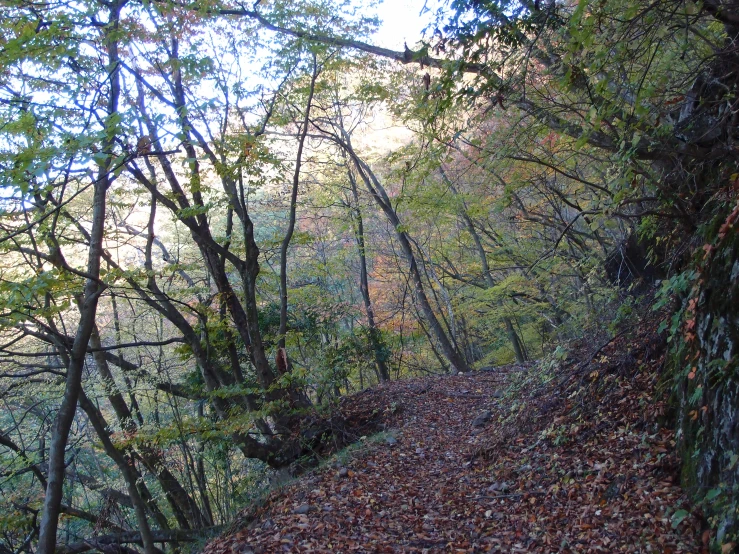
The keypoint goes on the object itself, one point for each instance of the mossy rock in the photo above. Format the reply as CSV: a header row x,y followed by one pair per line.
x,y
704,364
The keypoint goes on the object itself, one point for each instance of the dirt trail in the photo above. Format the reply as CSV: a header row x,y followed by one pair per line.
x,y
490,463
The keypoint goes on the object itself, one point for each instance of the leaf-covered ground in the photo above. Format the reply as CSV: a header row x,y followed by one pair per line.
x,y
564,458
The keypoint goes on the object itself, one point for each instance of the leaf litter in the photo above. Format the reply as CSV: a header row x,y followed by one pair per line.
x,y
518,459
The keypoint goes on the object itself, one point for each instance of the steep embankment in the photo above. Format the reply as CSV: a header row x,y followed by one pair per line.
x,y
523,459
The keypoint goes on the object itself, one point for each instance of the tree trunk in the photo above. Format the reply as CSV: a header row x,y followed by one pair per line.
x,y
65,415
88,309
183,506
125,467
375,338
378,193
489,282
291,220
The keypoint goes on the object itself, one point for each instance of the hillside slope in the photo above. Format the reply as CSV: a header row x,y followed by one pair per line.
x,y
547,458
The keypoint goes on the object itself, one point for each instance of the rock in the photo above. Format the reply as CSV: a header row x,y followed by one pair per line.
x,y
482,418
280,477
302,509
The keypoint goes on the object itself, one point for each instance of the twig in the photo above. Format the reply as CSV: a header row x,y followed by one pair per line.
x,y
511,495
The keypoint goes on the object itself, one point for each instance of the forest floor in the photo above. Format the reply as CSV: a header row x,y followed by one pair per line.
x,y
548,457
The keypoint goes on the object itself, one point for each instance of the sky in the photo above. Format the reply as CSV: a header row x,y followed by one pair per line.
x,y
401,22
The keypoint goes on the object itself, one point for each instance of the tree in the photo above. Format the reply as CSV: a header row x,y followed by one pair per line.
x,y
56,163
40,185
358,229
332,126
291,219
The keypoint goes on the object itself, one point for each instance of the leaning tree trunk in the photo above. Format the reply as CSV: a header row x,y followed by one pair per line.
x,y
125,466
73,387
378,193
377,346
186,510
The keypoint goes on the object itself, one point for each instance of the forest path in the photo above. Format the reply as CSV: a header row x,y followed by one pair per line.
x,y
548,472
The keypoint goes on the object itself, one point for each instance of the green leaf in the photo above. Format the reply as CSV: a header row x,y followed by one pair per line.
x,y
713,493
581,141
678,517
